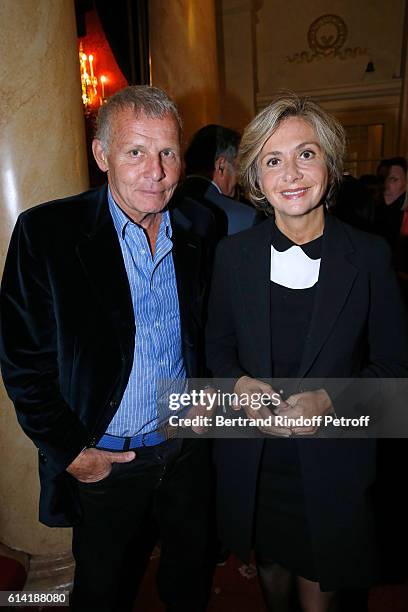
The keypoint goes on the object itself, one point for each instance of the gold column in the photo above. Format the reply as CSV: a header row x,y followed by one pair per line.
x,y
42,156
184,58
236,32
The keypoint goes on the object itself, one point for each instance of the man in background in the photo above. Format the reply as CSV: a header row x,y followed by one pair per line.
x,y
393,172
211,180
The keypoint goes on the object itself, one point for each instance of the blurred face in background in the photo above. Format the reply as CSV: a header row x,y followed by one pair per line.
x,y
395,184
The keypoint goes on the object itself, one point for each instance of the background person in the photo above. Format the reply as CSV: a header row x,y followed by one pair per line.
x,y
392,218
300,296
211,180
101,298
355,204
390,213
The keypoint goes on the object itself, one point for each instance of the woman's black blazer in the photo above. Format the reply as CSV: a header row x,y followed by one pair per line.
x,y
357,329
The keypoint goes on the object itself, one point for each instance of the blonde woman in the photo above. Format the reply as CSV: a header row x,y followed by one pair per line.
x,y
302,295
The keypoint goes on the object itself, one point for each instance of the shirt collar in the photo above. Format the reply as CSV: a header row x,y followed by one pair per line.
x,y
121,220
217,188
282,243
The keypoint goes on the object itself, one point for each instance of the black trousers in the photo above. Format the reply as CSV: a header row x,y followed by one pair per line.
x,y
165,490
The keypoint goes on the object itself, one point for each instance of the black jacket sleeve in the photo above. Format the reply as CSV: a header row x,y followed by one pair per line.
x,y
222,349
29,353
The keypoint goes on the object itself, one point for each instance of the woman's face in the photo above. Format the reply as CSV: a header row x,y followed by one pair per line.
x,y
292,169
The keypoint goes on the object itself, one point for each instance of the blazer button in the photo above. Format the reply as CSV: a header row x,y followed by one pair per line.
x,y
113,404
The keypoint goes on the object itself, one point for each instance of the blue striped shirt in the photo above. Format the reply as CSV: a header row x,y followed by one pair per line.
x,y
158,351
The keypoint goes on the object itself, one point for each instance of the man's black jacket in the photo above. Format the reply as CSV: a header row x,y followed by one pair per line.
x,y
68,330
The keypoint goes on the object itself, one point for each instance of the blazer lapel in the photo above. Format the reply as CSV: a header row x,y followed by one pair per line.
x,y
186,256
253,277
336,279
101,258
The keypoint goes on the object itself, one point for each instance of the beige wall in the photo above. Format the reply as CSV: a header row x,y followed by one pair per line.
x,y
236,22
274,34
42,156
184,58
282,32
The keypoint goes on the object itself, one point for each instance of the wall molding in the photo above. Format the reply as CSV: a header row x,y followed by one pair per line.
x,y
234,7
358,92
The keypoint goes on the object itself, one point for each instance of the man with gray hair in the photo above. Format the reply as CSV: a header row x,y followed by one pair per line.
x,y
101,300
211,181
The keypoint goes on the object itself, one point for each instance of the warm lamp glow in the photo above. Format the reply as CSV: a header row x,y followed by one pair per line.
x,y
103,81
89,82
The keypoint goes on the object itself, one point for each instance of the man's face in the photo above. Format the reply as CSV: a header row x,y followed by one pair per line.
x,y
142,161
395,184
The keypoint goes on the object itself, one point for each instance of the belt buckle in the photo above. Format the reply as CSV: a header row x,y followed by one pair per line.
x,y
126,443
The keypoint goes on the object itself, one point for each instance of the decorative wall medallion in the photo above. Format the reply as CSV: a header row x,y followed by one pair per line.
x,y
327,33
326,37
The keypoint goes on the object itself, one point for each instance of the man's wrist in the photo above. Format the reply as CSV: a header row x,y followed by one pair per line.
x,y
76,458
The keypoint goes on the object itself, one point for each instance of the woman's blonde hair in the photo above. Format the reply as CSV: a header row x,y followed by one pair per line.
x,y
329,132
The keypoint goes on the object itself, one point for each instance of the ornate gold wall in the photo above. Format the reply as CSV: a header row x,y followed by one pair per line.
x,y
184,58
42,156
321,50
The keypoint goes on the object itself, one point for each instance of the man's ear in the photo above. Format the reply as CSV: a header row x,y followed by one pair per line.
x,y
99,155
220,164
